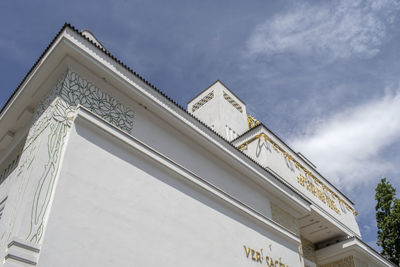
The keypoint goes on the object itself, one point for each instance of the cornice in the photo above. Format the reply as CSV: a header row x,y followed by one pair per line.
x,y
351,245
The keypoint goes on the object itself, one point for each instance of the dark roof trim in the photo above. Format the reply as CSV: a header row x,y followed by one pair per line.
x,y
67,25
95,38
288,147
211,86
202,91
34,66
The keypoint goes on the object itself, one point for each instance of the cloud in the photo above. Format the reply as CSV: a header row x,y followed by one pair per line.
x,y
333,30
348,146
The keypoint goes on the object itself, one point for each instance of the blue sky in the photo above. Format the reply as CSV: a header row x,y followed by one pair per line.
x,y
323,75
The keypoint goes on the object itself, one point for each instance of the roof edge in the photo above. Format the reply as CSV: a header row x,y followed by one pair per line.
x,y
9,100
217,81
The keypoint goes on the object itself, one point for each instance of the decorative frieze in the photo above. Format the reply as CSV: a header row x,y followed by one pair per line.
x,y
307,174
314,189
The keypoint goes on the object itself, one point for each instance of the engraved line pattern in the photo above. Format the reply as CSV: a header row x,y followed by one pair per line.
x,y
77,91
59,115
233,102
204,100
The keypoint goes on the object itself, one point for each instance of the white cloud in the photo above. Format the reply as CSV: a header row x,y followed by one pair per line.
x,y
337,29
347,147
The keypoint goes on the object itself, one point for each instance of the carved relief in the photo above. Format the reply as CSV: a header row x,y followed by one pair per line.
x,y
52,122
77,91
74,91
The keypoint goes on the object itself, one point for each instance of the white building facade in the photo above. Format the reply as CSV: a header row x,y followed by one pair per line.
x,y
100,168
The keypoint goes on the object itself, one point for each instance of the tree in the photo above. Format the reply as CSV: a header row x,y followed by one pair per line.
x,y
388,221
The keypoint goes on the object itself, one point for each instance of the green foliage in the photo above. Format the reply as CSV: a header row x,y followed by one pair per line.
x,y
388,221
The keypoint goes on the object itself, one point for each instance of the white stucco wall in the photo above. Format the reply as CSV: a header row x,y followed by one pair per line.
x,y
190,153
113,207
219,114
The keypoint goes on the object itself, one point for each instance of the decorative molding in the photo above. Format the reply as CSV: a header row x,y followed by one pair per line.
x,y
19,259
51,126
24,246
21,253
71,92
233,102
252,122
299,166
203,101
78,91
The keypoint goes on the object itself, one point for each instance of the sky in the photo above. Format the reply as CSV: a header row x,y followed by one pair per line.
x,y
322,75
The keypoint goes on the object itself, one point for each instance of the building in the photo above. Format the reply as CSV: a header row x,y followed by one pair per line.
x,y
100,168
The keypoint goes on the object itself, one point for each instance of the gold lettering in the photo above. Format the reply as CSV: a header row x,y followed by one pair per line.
x,y
247,251
270,263
252,255
280,263
258,257
303,181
